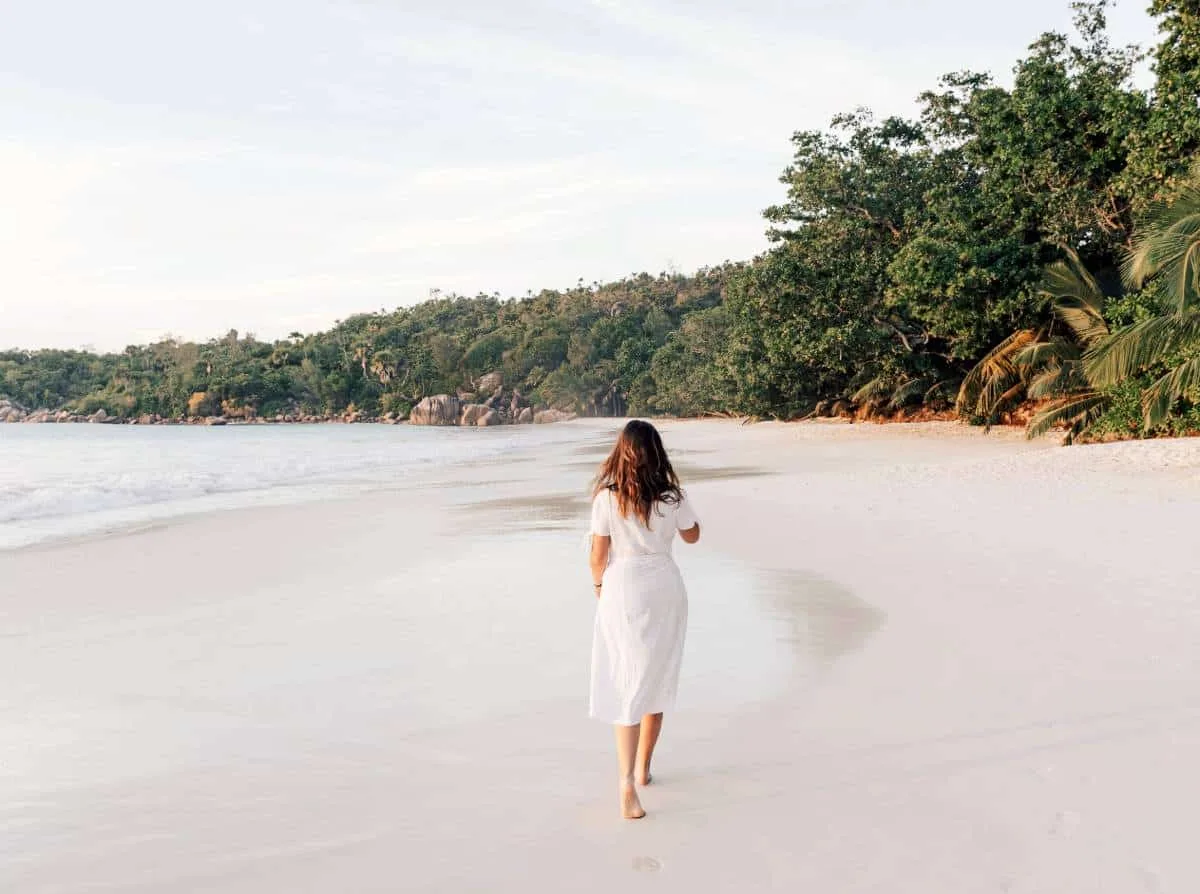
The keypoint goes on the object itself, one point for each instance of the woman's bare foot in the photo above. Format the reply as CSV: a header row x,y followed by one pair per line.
x,y
644,778
631,807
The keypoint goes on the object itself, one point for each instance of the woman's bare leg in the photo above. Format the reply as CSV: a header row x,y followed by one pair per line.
x,y
627,749
651,727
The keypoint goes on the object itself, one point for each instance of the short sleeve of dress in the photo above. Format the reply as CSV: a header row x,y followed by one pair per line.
x,y
601,523
685,515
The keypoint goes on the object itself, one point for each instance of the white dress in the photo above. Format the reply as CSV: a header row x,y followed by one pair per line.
x,y
641,617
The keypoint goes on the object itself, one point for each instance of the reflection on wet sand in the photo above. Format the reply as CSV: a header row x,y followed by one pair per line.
x,y
690,473
821,618
535,513
597,448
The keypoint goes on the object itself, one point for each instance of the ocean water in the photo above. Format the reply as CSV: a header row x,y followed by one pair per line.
x,y
61,481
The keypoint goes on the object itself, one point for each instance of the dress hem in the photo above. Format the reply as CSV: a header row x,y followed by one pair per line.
x,y
592,715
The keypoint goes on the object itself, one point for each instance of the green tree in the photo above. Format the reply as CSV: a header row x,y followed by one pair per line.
x,y
690,375
1166,256
811,317
1163,147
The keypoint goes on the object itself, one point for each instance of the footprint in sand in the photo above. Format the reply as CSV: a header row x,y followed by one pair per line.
x,y
646,864
1064,824
1150,879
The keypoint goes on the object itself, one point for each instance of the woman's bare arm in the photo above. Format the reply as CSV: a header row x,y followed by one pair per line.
x,y
599,559
692,534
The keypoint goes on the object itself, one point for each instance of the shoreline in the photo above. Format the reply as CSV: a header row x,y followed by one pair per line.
x,y
1154,457
1002,429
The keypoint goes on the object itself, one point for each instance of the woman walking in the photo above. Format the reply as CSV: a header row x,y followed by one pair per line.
x,y
641,617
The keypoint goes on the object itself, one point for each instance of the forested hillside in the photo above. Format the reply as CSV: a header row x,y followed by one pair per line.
x,y
1031,240
589,349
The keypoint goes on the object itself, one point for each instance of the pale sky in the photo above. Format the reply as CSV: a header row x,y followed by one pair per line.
x,y
275,165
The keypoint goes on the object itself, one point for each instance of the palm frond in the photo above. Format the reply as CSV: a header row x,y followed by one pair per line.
x,y
1159,398
1076,297
1070,278
1085,320
873,392
938,390
1077,411
1042,353
1058,380
907,391
993,377
1167,246
1142,345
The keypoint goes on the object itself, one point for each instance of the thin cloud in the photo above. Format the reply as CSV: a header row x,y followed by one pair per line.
x,y
343,157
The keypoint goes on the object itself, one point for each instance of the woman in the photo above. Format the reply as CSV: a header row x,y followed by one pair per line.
x,y
642,613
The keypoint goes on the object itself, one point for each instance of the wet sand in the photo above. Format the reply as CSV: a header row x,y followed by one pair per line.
x,y
919,660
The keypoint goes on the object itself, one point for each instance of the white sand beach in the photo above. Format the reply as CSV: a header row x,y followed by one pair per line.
x,y
944,663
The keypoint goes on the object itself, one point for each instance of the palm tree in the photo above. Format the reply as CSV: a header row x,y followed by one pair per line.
x,y
1046,363
1166,257
1056,368
891,393
383,365
997,382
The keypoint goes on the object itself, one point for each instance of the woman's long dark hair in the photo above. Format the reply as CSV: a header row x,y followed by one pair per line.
x,y
638,472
